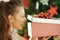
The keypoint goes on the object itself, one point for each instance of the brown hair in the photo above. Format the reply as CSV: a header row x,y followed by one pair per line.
x,y
7,8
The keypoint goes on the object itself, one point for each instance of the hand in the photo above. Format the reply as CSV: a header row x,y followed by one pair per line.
x,y
46,38
41,38
56,37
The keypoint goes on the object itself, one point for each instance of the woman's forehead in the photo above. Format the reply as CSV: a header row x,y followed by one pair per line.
x,y
20,10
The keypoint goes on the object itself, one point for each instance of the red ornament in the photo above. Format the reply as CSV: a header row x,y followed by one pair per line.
x,y
41,15
52,10
49,13
25,3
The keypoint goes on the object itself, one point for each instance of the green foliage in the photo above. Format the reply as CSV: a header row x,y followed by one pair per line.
x,y
42,8
21,32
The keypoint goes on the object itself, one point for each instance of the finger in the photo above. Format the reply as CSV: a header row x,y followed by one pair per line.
x,y
47,37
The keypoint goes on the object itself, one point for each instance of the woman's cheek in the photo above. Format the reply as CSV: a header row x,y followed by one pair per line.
x,y
19,26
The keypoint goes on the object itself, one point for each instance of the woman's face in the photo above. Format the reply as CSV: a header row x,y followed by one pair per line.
x,y
19,18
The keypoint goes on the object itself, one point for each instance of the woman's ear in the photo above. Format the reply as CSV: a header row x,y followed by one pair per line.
x,y
10,18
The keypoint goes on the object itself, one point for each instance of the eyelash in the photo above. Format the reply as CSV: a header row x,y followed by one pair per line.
x,y
23,16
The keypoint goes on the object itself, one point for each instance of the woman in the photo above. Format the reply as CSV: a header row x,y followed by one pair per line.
x,y
11,18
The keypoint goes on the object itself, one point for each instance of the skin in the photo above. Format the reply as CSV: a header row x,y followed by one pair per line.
x,y
17,20
41,38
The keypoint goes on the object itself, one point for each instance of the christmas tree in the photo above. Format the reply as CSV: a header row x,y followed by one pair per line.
x,y
44,9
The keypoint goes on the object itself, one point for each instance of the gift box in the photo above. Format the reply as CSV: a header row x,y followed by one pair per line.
x,y
39,27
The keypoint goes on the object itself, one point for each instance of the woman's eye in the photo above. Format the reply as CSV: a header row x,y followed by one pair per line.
x,y
23,16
